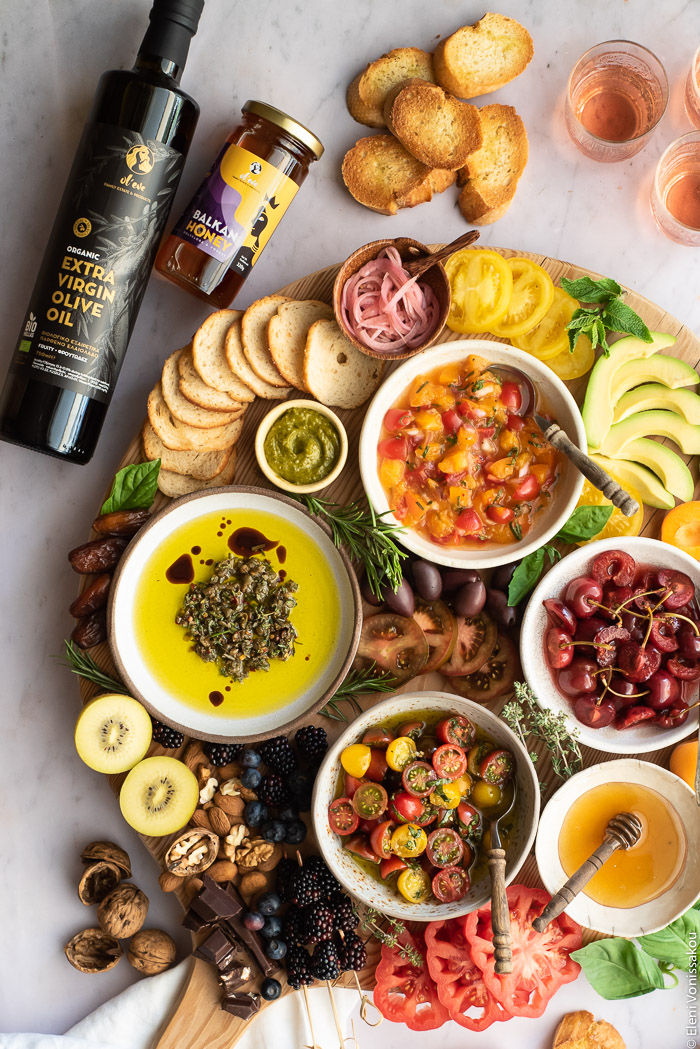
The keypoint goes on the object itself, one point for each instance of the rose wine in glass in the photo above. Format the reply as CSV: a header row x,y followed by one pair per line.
x,y
675,194
692,91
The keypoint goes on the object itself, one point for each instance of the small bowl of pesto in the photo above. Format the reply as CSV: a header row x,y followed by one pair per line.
x,y
301,446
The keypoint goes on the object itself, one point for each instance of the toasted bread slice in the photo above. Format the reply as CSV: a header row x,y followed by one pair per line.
x,y
209,355
383,176
238,364
180,437
181,409
335,372
482,57
254,324
196,390
287,333
367,92
580,1030
434,127
200,465
491,174
174,484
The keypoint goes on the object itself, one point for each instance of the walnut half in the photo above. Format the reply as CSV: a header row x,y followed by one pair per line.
x,y
97,881
93,951
192,852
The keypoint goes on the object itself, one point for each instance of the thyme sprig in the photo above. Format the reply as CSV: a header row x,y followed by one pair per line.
x,y
367,537
357,683
82,664
371,925
528,719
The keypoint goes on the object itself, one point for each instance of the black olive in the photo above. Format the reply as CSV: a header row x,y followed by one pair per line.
x,y
402,600
498,607
470,599
454,578
427,580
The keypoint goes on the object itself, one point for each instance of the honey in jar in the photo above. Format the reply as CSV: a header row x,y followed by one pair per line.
x,y
633,876
235,211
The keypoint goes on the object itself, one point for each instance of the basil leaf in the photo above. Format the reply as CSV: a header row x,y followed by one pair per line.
x,y
525,576
672,944
585,289
618,316
584,523
134,488
617,969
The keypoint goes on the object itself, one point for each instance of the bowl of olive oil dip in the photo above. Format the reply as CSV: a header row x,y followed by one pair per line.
x,y
301,446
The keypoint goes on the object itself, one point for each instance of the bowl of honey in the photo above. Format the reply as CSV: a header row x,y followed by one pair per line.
x,y
638,890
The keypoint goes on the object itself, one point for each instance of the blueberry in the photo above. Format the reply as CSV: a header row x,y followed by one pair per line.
x,y
269,903
255,813
270,989
250,759
251,779
272,830
289,813
272,927
276,949
254,921
296,832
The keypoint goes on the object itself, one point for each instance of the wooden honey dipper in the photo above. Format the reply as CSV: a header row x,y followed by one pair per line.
x,y
622,832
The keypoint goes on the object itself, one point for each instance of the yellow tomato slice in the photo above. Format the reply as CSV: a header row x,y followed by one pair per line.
x,y
617,525
681,527
549,337
568,365
481,283
409,840
531,298
414,885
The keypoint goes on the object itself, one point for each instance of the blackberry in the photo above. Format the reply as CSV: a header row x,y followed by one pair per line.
x,y
285,869
293,926
324,962
165,735
318,923
303,887
298,964
301,785
312,743
352,954
220,754
344,917
273,789
327,884
277,753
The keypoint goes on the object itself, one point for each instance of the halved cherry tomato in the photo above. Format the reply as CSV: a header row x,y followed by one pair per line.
x,y
456,729
445,847
367,825
419,778
351,784
482,283
359,845
464,784
446,796
530,300
500,514
498,767
528,488
378,737
396,419
449,761
409,840
477,754
468,522
394,448
380,838
370,801
549,337
511,396
391,865
394,643
378,767
440,629
406,807
342,817
355,759
400,753
459,981
451,884
470,821
414,885
411,728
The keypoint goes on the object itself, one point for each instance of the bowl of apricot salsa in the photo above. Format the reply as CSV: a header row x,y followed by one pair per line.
x,y
450,449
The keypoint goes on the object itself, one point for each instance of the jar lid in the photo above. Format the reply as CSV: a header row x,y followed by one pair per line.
x,y
292,127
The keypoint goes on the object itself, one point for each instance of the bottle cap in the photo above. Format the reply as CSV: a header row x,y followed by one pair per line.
x,y
185,12
287,123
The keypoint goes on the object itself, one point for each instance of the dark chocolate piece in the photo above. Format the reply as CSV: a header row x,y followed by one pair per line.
x,y
218,948
234,976
214,902
242,1005
253,942
194,922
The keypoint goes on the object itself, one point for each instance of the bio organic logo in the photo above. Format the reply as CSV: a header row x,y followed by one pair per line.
x,y
30,326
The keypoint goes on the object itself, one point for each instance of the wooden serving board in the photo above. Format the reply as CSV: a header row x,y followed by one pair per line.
x,y
197,1020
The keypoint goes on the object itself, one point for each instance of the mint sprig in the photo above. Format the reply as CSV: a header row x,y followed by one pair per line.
x,y
604,311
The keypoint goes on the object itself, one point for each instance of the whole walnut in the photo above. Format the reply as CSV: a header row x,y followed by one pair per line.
x,y
123,912
151,951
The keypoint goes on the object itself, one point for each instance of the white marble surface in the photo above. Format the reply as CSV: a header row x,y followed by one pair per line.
x,y
299,57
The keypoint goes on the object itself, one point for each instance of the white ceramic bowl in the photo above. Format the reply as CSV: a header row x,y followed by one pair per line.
x,y
623,921
555,398
263,429
640,739
373,892
199,720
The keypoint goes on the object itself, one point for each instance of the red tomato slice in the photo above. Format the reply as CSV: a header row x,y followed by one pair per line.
x,y
451,421
342,817
511,396
391,865
528,488
450,761
359,846
456,729
499,514
397,418
419,779
541,962
450,884
405,994
468,522
515,422
440,629
394,448
380,839
460,984
445,849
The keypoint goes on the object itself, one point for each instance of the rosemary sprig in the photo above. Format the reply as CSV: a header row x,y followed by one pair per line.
x,y
371,925
526,718
82,664
357,683
367,537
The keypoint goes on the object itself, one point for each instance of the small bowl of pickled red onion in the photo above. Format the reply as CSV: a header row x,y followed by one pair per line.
x,y
383,310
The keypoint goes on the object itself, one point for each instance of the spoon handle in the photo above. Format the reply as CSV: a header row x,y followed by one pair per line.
x,y
417,266
578,880
500,912
595,474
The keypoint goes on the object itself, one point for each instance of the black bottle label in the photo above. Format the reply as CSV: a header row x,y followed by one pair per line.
x,y
98,260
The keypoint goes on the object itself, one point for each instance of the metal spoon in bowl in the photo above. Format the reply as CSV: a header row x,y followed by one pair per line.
x,y
553,433
500,912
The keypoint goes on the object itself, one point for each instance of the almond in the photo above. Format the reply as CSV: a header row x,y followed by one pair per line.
x,y
252,884
232,805
169,882
223,870
218,818
194,756
228,771
201,819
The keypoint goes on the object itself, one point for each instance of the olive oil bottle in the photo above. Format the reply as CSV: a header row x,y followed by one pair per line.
x,y
102,246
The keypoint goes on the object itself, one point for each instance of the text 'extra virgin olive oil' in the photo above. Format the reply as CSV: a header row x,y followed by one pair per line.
x,y
102,246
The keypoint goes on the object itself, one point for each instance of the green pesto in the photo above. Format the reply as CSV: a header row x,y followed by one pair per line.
x,y
302,446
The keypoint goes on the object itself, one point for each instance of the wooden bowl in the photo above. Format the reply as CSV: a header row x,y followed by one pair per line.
x,y
435,277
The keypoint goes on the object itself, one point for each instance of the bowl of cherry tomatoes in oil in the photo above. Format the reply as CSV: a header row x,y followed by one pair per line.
x,y
403,801
611,638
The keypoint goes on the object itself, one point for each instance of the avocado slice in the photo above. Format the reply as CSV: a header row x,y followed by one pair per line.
x,y
645,483
671,371
669,467
654,395
658,423
597,411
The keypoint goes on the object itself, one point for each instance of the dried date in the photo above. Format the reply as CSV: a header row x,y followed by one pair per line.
x,y
93,597
101,555
121,522
90,630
